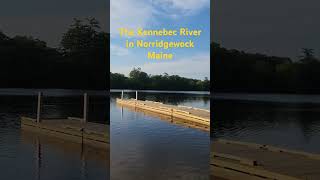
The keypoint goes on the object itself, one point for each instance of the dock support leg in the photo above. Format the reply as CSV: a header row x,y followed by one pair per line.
x,y
121,112
85,107
39,107
136,95
121,94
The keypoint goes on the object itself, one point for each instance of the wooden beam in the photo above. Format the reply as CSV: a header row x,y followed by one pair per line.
x,y
39,107
85,107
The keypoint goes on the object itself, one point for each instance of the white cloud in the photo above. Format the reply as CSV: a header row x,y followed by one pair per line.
x,y
140,13
178,8
197,66
129,14
118,50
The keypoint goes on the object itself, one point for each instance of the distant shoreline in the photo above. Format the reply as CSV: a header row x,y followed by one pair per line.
x,y
162,91
269,97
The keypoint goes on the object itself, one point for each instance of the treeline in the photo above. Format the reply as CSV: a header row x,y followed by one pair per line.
x,y
81,61
140,80
238,71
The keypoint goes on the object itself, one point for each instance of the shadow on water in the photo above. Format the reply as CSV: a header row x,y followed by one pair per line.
x,y
85,154
290,125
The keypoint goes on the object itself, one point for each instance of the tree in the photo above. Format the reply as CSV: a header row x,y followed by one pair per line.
x,y
307,56
82,62
85,44
3,37
137,74
81,36
118,81
141,80
238,71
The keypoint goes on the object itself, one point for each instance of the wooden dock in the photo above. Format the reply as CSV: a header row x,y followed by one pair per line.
x,y
234,160
192,115
72,129
170,119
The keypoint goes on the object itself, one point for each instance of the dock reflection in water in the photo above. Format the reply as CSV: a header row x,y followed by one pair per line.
x,y
66,149
149,146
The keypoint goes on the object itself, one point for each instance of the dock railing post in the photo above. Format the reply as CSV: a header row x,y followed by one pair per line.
x,y
122,94
136,95
39,107
85,106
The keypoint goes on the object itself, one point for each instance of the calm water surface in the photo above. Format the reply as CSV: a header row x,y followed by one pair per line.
x,y
146,147
290,121
25,155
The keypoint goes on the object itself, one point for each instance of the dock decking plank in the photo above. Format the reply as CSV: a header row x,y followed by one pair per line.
x,y
70,129
200,116
294,164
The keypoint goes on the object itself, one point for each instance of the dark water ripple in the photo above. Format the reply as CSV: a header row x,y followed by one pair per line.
x,y
289,125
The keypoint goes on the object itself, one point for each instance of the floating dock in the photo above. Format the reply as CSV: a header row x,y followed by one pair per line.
x,y
234,160
72,129
193,115
170,119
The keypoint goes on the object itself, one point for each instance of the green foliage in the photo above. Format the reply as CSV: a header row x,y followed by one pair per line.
x,y
140,80
237,71
307,56
81,36
3,37
81,62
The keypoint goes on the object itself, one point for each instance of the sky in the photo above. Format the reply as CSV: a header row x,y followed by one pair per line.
x,y
159,14
47,20
273,27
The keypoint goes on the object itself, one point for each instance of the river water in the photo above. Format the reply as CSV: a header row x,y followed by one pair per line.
x,y
289,121
29,156
147,147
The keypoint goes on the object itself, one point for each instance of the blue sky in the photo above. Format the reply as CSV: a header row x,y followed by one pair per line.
x,y
159,14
